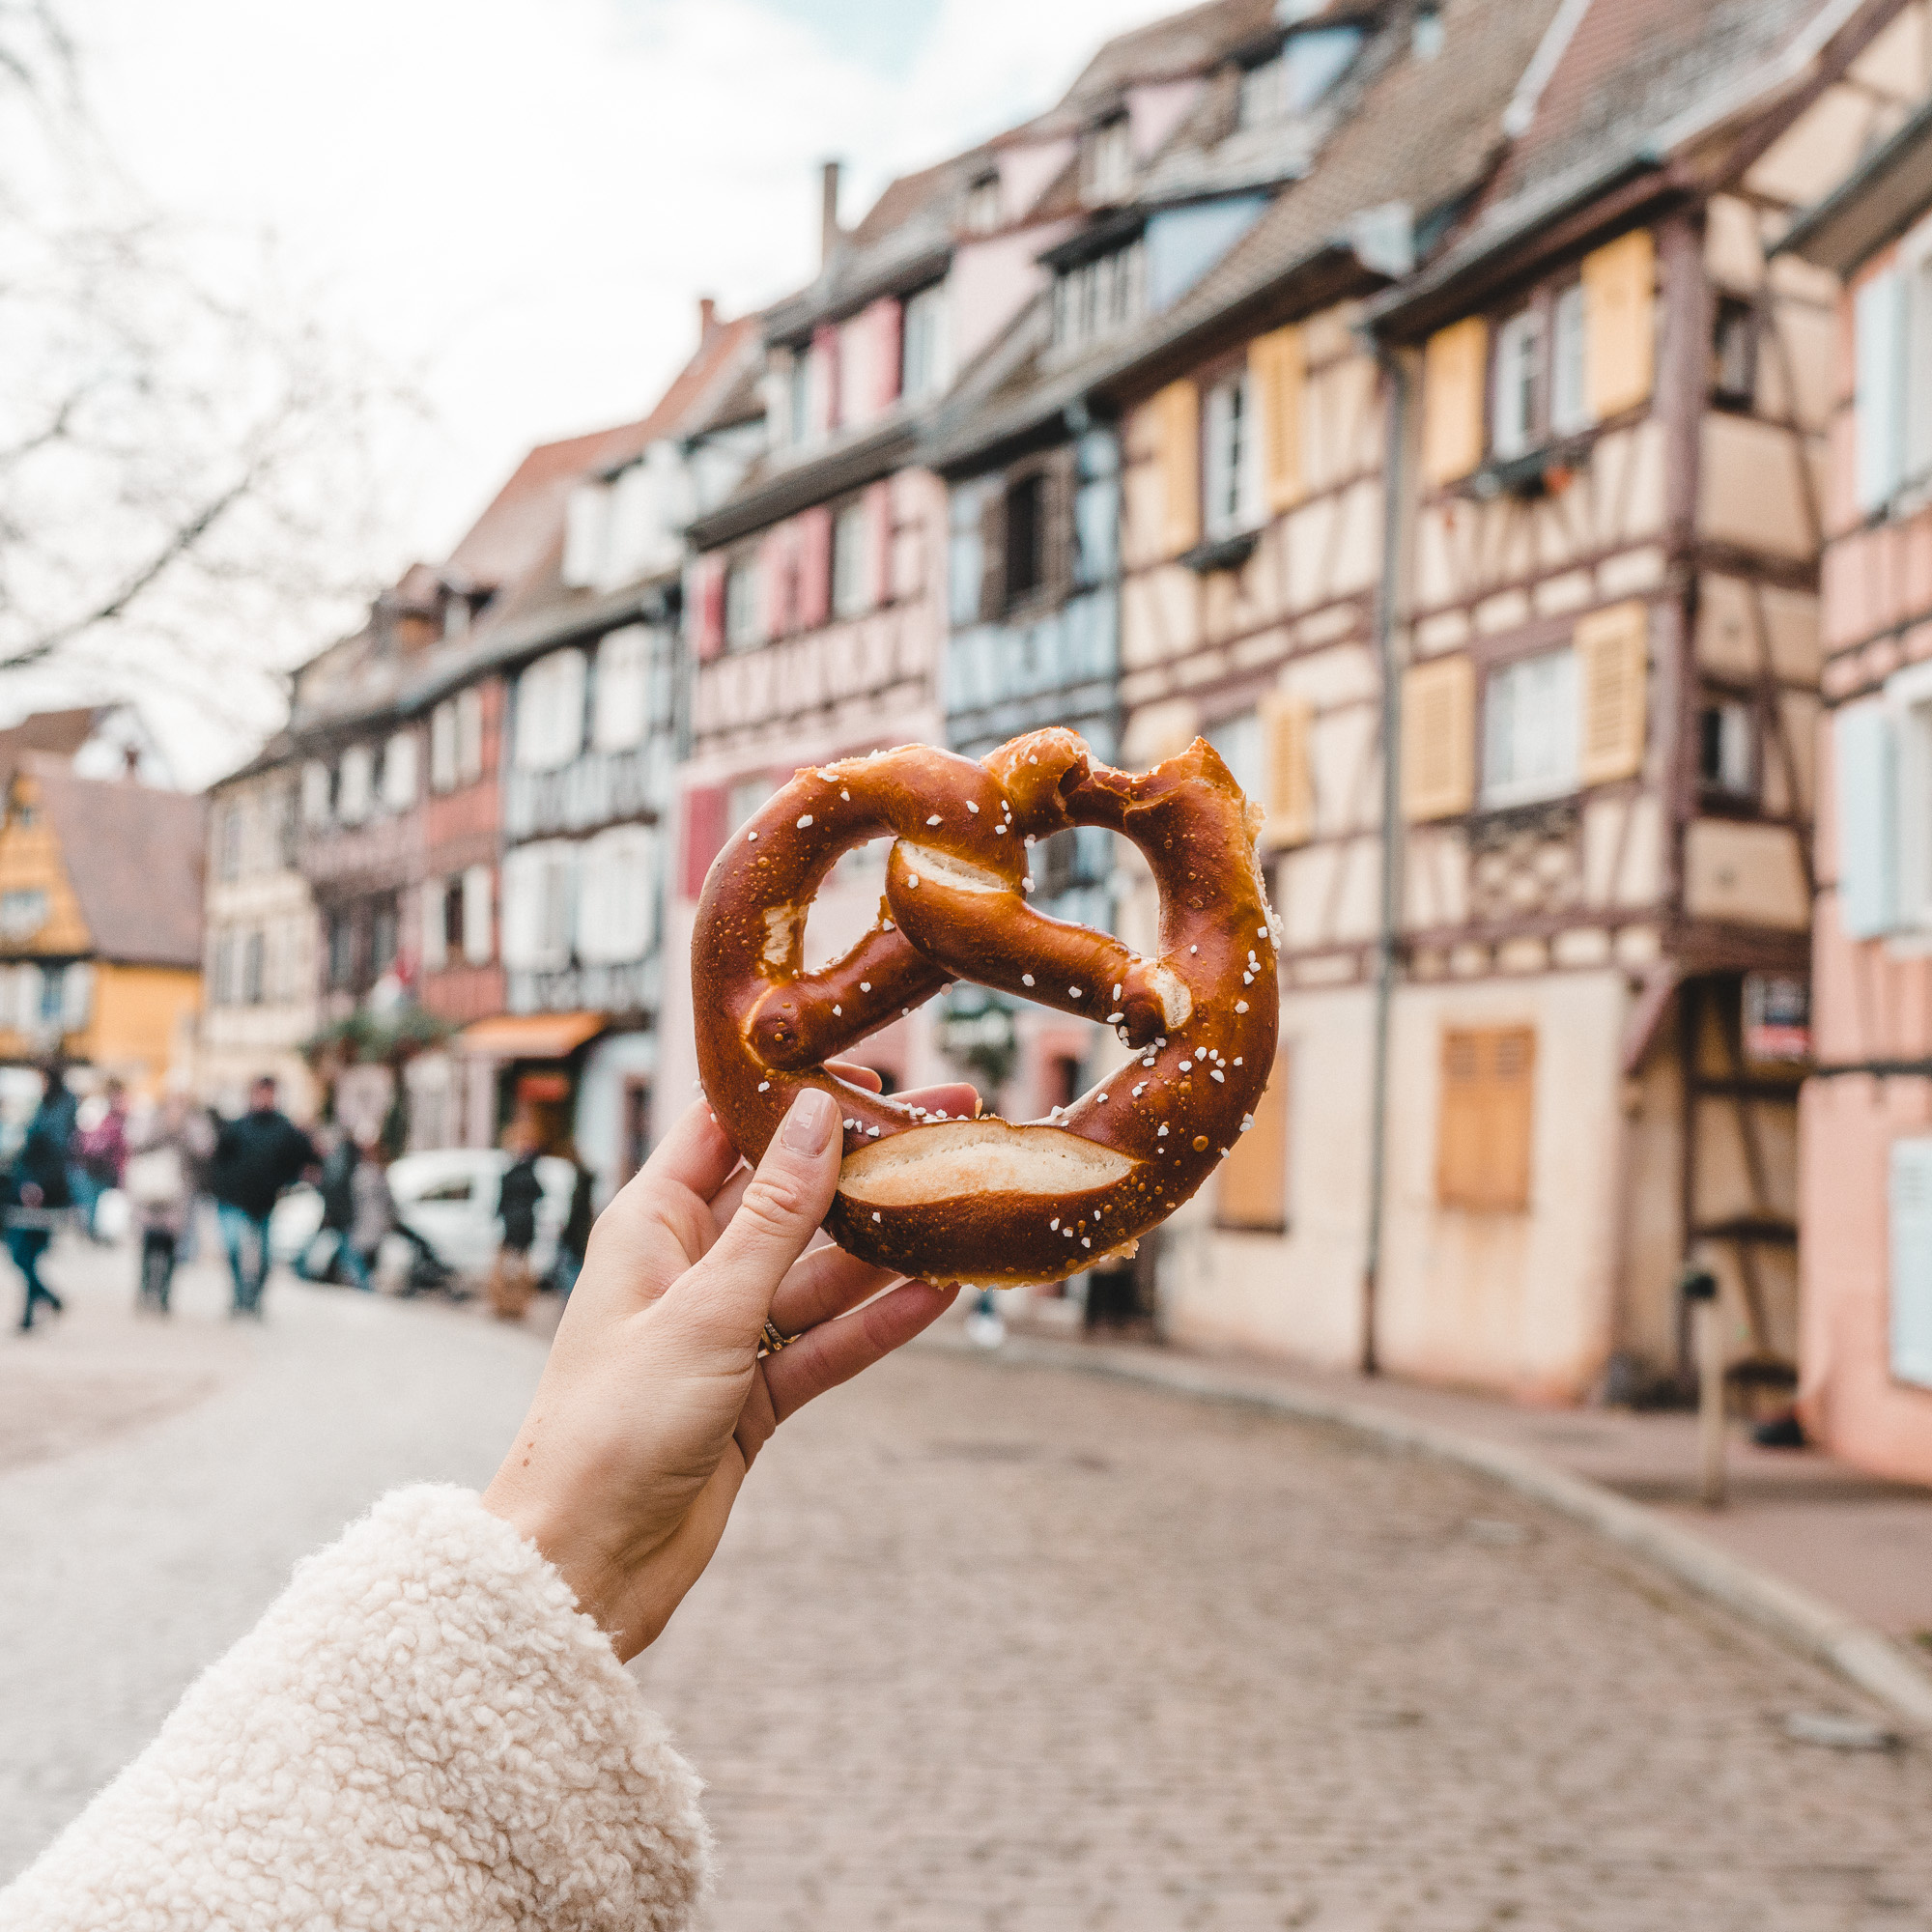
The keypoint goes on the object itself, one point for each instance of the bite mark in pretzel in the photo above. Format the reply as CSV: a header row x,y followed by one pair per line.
x,y
986,1201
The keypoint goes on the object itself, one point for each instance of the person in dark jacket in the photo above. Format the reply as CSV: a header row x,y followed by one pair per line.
x,y
36,1190
573,1244
517,1198
255,1157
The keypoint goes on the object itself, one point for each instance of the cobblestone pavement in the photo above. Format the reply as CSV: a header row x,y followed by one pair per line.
x,y
1001,1648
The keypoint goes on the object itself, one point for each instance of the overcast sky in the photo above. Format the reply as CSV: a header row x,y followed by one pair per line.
x,y
520,201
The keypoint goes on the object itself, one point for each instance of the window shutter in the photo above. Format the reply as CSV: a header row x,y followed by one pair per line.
x,y
476,912
1277,376
1251,1185
1288,786
1439,738
1612,664
1485,1117
704,810
442,747
1057,484
1865,753
828,410
1620,324
1912,1262
469,733
707,607
1880,409
775,581
1455,367
1177,425
814,567
993,554
887,320
435,928
879,542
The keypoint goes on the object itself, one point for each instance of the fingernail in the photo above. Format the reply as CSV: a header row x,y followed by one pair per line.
x,y
808,1125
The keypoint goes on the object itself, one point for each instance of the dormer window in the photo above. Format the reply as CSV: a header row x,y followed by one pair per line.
x,y
983,204
455,617
1094,299
1298,74
1107,162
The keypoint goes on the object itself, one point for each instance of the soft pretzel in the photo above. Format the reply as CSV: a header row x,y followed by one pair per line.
x,y
983,1202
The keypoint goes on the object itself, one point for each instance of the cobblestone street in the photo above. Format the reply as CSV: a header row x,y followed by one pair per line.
x,y
998,1648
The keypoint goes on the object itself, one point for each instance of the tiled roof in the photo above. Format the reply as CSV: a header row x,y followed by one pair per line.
x,y
1426,132
134,855
61,732
1182,44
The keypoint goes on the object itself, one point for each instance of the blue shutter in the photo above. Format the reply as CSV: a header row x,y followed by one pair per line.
x,y
1866,757
1912,1262
1881,391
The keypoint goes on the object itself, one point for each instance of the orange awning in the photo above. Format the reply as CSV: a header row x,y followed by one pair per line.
x,y
530,1036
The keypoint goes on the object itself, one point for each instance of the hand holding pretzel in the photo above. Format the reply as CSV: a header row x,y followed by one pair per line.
x,y
982,1201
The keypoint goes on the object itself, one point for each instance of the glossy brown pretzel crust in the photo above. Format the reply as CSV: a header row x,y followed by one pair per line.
x,y
983,1202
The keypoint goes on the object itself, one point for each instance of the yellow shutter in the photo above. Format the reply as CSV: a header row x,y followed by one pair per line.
x,y
1485,1119
1251,1189
1619,311
1612,672
1178,424
1277,374
1455,372
1439,738
1288,791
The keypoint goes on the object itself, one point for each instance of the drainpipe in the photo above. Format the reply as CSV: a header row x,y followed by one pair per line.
x,y
1394,528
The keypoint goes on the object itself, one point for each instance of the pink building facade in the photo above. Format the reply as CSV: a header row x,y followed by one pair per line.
x,y
1866,1259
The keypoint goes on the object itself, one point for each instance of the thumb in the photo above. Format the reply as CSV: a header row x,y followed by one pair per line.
x,y
784,1203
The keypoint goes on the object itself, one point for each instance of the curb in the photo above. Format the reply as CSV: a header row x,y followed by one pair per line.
x,y
1794,1617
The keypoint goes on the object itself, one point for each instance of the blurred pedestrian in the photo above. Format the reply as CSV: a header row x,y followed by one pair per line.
x,y
511,1284
164,1156
38,1190
100,1158
574,1242
337,1185
372,1214
255,1157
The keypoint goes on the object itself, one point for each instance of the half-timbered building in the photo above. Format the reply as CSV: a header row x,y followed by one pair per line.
x,y
1865,1121
1605,606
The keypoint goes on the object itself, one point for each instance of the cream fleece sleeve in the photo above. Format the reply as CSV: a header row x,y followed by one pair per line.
x,y
423,1732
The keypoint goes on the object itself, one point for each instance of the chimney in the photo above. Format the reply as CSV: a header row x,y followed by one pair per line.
x,y
827,219
707,319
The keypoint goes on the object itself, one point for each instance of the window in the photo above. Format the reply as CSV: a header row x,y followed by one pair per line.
x,y
1231,481
849,573
341,950
469,735
1727,749
550,711
742,799
1299,76
623,689
1529,729
1734,354
22,911
586,524
384,937
318,788
1513,409
1107,162
282,807
1484,1122
741,605
434,907
1568,365
442,747
1025,538
253,975
455,617
617,909
983,204
1428,34
1911,1270
923,350
399,771
229,857
1094,299
1251,1185
478,896
354,787
450,917
798,396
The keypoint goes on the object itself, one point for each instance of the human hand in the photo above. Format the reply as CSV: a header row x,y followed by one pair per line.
x,y
655,1401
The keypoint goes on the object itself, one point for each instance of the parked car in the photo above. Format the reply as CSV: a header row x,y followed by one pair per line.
x,y
448,1200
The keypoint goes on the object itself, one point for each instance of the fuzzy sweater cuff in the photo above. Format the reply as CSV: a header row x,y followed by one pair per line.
x,y
423,1732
